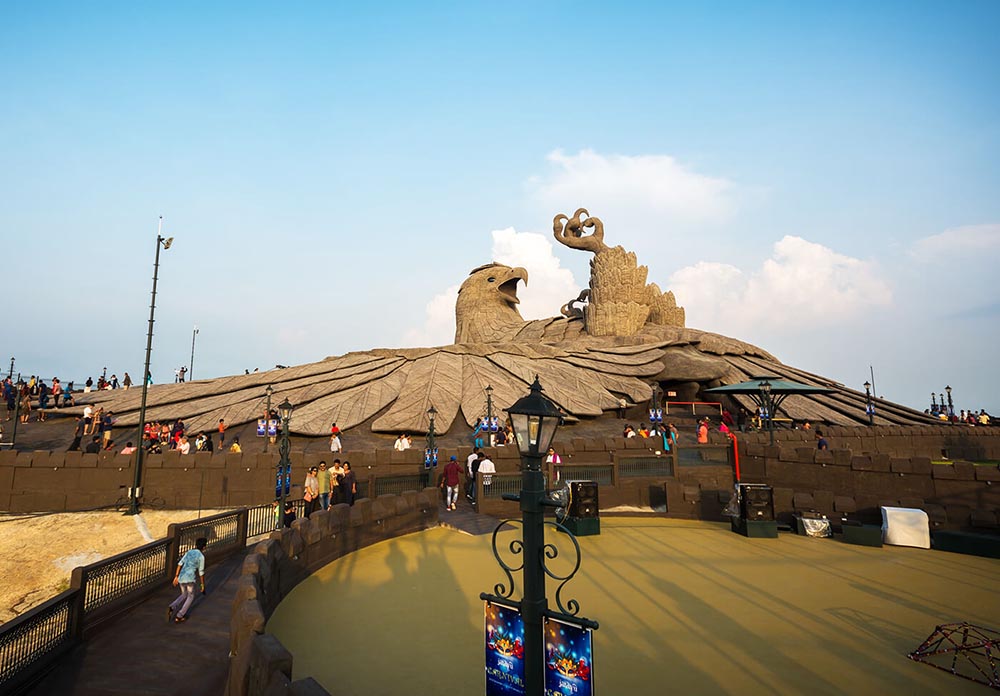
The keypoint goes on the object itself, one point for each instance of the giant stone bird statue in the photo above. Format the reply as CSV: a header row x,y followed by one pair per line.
x,y
627,336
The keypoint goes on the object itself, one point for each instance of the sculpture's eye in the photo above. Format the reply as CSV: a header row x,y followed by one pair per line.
x,y
491,279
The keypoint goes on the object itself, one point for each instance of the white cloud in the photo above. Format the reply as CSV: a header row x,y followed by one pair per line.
x,y
958,241
439,321
549,287
803,285
613,185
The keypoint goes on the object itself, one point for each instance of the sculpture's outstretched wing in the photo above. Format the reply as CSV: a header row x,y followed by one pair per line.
x,y
391,390
395,388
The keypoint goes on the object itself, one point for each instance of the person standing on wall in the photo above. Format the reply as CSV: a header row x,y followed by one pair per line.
x,y
324,486
189,568
310,491
349,485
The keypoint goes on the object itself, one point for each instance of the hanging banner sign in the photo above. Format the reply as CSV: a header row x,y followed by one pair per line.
x,y
569,659
504,651
430,457
272,428
261,427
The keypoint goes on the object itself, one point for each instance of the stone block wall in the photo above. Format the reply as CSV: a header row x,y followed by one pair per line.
x,y
859,457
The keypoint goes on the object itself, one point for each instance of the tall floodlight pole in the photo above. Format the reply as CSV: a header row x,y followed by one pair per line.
x,y
135,492
194,335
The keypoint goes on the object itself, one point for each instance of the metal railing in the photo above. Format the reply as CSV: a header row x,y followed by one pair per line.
x,y
100,591
637,467
36,639
696,408
500,484
112,580
601,474
263,519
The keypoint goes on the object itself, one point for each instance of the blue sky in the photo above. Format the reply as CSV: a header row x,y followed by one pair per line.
x,y
819,180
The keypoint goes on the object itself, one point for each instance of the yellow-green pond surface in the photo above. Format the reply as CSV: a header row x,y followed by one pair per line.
x,y
684,608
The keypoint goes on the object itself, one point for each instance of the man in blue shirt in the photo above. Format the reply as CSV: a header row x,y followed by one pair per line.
x,y
190,568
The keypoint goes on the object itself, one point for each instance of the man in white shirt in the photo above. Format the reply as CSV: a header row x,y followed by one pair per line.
x,y
486,469
402,443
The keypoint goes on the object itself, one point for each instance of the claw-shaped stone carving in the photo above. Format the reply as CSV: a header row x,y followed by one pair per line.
x,y
620,301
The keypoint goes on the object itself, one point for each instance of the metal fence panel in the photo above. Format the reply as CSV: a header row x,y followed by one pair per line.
x,y
115,578
636,467
501,484
221,531
34,638
601,474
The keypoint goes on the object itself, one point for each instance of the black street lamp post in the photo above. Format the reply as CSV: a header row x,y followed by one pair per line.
x,y
535,420
136,491
430,455
10,375
489,415
934,406
17,410
267,418
655,414
765,398
869,405
284,463
951,406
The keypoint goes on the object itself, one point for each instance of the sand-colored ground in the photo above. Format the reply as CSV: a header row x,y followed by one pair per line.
x,y
685,608
38,552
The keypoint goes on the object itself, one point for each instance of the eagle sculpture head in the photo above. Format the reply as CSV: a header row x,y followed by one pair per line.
x,y
486,309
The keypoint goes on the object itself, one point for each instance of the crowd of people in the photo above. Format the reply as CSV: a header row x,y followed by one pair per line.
x,y
963,417
24,397
324,487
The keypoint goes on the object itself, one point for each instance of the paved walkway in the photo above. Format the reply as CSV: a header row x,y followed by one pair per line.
x,y
140,653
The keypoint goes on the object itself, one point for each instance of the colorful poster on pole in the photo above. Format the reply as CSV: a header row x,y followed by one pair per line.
x,y
504,651
261,427
272,428
569,659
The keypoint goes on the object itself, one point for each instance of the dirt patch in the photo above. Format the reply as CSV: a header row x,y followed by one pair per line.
x,y
38,552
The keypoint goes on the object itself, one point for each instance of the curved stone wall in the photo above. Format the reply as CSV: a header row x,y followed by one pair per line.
x,y
259,662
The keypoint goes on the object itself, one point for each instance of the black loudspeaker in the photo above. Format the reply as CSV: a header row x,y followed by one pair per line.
x,y
582,499
756,502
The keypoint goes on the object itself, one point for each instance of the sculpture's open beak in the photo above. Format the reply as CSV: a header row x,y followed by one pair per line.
x,y
508,288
